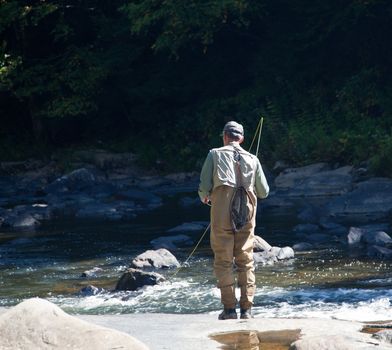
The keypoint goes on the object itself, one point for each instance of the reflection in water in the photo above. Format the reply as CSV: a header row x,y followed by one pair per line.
x,y
254,340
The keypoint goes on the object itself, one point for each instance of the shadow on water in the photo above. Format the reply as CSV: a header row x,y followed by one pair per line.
x,y
254,340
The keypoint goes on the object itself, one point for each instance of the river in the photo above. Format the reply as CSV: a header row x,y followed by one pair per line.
x,y
327,282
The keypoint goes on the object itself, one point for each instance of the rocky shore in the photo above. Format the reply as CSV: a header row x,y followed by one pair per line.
x,y
38,324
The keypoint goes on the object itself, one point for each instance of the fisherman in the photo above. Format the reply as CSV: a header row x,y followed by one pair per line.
x,y
230,181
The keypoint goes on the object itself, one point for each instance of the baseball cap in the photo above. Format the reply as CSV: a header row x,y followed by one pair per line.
x,y
234,128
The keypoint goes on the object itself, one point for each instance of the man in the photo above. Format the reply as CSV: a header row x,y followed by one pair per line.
x,y
227,172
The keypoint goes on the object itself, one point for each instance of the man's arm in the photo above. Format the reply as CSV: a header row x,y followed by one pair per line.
x,y
261,185
206,179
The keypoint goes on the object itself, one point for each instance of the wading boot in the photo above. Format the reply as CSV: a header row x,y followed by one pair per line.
x,y
228,314
246,314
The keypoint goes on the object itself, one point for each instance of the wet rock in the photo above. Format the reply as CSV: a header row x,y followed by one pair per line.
x,y
264,258
90,290
260,244
190,226
171,242
368,235
159,259
37,324
379,252
91,273
302,247
337,342
282,253
370,201
22,221
385,335
133,279
77,180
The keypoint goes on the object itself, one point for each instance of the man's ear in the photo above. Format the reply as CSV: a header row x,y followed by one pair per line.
x,y
241,140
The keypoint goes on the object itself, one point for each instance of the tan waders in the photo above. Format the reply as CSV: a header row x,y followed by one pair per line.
x,y
232,248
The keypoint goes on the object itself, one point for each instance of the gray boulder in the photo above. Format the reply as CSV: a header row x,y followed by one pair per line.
x,y
77,180
171,242
282,253
370,236
264,258
37,324
354,236
134,279
159,259
370,200
260,245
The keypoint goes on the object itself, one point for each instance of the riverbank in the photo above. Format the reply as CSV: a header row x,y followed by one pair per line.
x,y
186,332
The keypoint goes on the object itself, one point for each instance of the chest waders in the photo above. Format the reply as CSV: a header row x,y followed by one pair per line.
x,y
240,214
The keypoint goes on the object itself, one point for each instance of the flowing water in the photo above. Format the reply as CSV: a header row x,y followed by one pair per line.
x,y
49,262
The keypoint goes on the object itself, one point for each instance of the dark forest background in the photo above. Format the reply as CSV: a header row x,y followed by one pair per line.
x,y
161,77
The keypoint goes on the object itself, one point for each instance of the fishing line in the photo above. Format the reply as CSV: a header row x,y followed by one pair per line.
x,y
258,130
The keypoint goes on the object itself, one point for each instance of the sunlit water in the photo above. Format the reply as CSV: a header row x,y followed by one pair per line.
x,y
49,263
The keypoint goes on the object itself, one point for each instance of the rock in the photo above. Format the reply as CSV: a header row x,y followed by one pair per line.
x,y
77,180
106,160
302,247
37,324
379,252
91,273
90,290
370,201
107,211
368,235
282,253
189,226
306,228
23,221
333,228
264,258
143,197
315,180
354,236
260,244
331,342
159,259
133,279
171,242
385,335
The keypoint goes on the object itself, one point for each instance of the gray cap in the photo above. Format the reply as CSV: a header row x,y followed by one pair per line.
x,y
234,128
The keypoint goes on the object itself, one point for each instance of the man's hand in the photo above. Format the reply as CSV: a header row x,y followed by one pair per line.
x,y
207,200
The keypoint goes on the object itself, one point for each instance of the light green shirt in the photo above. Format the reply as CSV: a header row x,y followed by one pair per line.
x,y
219,170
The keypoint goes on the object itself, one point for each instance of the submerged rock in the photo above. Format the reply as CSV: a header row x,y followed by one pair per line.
x,y
171,242
37,324
133,279
160,258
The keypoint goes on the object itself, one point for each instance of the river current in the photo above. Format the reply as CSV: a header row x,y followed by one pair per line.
x,y
48,263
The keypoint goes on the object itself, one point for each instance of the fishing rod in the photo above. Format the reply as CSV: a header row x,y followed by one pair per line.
x,y
257,131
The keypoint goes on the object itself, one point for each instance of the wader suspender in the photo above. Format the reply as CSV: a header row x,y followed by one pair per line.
x,y
239,212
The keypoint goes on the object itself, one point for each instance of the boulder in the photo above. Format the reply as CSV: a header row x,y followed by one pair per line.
x,y
133,279
264,258
77,180
282,253
354,236
171,242
369,201
260,245
368,235
37,324
159,259
330,342
23,221
302,247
